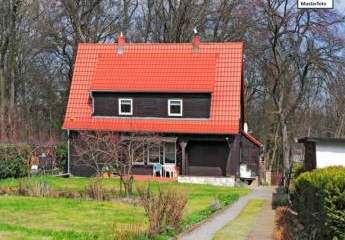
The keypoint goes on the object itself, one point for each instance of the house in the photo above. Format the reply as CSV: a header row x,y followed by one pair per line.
x,y
189,93
323,152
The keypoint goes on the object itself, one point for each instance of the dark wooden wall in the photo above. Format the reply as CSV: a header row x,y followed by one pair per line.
x,y
207,155
309,156
195,105
207,158
250,154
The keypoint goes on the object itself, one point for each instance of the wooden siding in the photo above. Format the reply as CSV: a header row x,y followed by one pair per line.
x,y
250,154
310,156
195,105
207,158
207,155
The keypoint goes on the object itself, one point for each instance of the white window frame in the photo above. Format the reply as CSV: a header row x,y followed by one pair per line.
x,y
120,103
170,104
148,154
164,154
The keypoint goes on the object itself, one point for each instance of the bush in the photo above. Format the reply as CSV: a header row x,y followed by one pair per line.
x,y
61,156
164,209
283,224
319,200
29,187
129,232
14,160
297,169
95,190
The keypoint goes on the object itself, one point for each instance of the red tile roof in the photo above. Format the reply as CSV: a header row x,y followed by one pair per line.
x,y
213,67
252,139
144,72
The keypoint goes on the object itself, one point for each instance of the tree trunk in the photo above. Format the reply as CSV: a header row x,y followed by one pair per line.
x,y
2,105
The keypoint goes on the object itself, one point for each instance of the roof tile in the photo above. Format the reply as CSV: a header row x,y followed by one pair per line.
x,y
215,68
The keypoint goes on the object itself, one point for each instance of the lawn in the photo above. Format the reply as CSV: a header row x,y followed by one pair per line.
x,y
60,218
239,228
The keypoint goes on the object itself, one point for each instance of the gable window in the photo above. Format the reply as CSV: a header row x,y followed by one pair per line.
x,y
125,106
175,107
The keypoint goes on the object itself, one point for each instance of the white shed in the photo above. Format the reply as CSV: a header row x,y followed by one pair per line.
x,y
323,152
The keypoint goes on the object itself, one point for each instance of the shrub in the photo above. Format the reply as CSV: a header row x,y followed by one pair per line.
x,y
95,190
283,224
129,232
29,187
13,160
319,200
297,169
164,209
61,156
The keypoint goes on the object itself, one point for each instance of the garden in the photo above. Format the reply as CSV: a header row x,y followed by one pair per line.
x,y
59,207
91,208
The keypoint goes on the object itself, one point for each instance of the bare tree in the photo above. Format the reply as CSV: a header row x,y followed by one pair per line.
x,y
109,152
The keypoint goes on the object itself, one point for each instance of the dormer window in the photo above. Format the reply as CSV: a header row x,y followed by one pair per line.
x,y
175,107
125,106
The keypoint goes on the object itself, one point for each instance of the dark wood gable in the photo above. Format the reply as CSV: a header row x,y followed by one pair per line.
x,y
195,105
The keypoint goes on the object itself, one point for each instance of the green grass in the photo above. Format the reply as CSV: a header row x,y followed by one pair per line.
x,y
239,228
60,218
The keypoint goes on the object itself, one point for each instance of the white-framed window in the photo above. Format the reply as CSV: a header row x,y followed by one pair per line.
x,y
153,154
125,106
175,107
170,153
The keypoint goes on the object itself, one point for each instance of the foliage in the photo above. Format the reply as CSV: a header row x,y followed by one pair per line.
x,y
319,200
198,216
129,232
240,227
164,208
283,224
62,155
40,188
95,190
297,169
13,160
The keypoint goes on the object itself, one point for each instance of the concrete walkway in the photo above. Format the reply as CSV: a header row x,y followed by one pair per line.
x,y
209,228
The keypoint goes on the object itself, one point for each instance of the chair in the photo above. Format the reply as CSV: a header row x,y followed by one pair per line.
x,y
157,168
171,169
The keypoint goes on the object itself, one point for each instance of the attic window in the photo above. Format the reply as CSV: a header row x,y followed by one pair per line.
x,y
175,107
125,106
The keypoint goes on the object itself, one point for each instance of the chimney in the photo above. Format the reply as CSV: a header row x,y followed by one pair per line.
x,y
196,40
120,44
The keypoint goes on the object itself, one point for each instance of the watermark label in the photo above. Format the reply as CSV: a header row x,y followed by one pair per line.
x,y
315,4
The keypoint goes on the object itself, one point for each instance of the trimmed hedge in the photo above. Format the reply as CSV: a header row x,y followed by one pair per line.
x,y
13,160
319,200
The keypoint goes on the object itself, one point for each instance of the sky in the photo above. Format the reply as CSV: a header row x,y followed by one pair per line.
x,y
339,5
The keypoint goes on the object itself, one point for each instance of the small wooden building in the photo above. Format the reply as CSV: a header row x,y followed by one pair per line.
x,y
189,93
323,152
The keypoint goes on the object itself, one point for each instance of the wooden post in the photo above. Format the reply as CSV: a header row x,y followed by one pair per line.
x,y
183,146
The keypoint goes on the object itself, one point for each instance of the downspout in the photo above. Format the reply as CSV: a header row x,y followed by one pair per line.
x,y
68,153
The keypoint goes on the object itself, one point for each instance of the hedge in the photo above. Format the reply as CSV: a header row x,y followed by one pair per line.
x,y
13,160
319,200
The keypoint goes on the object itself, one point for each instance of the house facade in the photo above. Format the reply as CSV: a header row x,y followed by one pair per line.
x,y
190,94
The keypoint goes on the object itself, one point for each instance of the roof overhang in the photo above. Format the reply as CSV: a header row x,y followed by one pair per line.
x,y
321,140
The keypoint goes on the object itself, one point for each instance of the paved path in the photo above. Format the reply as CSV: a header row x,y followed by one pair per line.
x,y
263,228
209,228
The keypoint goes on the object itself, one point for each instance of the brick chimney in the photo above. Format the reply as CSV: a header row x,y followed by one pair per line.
x,y
120,44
